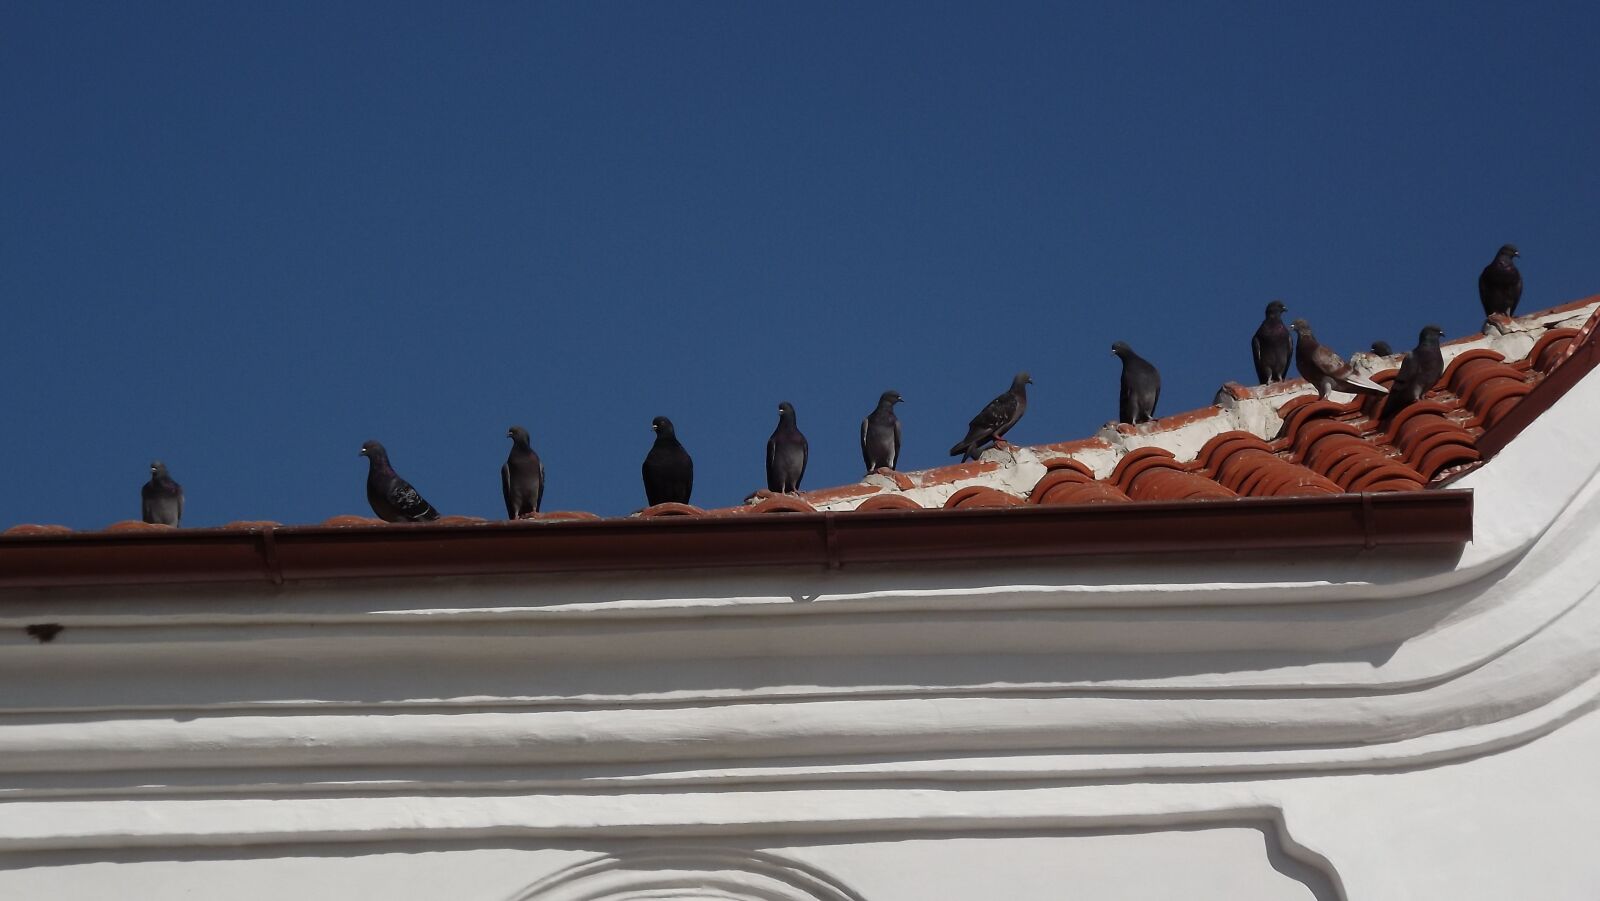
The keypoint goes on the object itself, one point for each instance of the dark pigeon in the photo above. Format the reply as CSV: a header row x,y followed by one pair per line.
x,y
522,476
1271,345
1382,349
1500,284
163,498
995,419
391,497
1418,373
1141,386
786,453
1326,370
668,470
880,434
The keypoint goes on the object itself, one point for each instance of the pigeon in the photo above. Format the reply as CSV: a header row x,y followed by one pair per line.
x,y
1141,386
1326,370
1271,345
522,476
786,453
880,433
1382,349
1500,284
391,497
668,470
995,419
163,498
1419,372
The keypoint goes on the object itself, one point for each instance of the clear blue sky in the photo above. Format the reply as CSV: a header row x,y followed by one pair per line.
x,y
244,238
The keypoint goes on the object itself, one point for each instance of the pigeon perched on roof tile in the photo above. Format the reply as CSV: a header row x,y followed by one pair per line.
x,y
1141,386
1500,284
1382,349
1326,370
668,469
521,476
880,434
1271,346
392,498
995,419
786,453
162,497
1419,372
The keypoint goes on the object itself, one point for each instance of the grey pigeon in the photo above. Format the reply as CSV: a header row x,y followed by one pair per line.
x,y
1141,386
1326,370
162,497
995,419
391,497
1418,373
1382,349
522,476
1271,346
1500,284
786,453
668,470
880,433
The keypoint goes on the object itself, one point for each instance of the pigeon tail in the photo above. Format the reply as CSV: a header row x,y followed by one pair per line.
x,y
1363,385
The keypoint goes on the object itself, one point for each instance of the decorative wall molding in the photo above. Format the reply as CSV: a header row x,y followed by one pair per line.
x,y
688,872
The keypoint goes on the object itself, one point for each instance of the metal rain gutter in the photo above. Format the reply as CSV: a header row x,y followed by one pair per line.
x,y
278,554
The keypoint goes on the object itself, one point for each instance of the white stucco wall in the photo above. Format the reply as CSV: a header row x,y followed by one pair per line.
x,y
1336,725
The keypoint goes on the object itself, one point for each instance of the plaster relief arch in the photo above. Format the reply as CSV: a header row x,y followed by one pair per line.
x,y
690,874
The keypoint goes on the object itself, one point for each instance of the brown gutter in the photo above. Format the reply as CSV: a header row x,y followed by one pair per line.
x,y
295,553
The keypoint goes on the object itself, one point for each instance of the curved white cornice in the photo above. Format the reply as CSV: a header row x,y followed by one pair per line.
x,y
1087,669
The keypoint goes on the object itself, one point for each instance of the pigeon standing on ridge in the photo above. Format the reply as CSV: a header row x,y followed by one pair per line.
x,y
880,434
162,497
1271,346
1141,386
668,469
995,419
1382,349
1418,373
391,497
1326,370
786,453
522,476
1500,284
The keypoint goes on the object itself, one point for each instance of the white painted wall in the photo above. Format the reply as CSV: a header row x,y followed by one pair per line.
x,y
1344,725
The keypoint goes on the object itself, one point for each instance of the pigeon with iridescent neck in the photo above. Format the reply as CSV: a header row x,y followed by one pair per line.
x,y
391,497
1326,370
1500,284
162,497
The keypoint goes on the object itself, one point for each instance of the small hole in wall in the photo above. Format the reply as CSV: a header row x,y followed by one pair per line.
x,y
45,632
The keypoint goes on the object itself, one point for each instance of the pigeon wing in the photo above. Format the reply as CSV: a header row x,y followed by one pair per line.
x,y
774,480
409,502
505,490
1329,363
538,496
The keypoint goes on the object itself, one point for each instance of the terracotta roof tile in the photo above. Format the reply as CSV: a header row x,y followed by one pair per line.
x,y
134,525
889,502
982,496
671,509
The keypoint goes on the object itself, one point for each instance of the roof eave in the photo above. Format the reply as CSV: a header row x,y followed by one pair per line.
x,y
300,553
